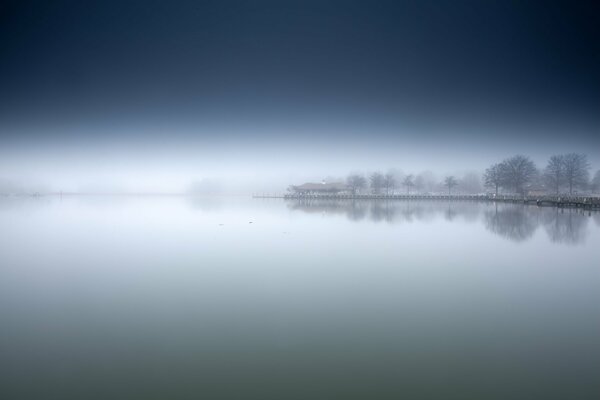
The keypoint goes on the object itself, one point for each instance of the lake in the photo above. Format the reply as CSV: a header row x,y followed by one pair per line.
x,y
141,297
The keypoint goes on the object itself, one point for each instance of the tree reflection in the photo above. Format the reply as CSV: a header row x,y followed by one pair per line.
x,y
450,213
357,211
516,222
511,221
597,218
388,211
565,225
383,211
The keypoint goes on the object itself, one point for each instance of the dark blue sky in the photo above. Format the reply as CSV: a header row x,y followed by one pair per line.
x,y
469,76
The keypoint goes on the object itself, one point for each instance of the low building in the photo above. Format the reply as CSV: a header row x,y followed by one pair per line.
x,y
535,190
320,188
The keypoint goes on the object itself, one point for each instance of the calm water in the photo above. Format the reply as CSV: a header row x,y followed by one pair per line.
x,y
184,298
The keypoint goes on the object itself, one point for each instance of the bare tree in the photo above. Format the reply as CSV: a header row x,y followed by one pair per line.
x,y
517,171
356,182
398,175
596,182
554,173
450,182
389,183
493,177
377,182
408,183
577,171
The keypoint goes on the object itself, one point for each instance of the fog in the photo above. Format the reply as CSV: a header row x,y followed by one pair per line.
x,y
156,97
243,161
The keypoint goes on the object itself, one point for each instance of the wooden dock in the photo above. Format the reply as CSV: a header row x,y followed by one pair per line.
x,y
585,202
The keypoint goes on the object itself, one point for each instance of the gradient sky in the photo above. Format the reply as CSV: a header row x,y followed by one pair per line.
x,y
157,93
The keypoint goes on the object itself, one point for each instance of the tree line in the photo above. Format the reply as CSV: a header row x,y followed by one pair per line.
x,y
380,183
563,173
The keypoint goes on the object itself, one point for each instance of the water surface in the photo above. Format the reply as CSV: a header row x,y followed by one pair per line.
x,y
237,298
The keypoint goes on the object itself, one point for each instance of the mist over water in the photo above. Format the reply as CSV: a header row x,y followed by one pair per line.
x,y
230,297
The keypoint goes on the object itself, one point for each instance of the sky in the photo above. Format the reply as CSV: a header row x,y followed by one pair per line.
x,y
152,95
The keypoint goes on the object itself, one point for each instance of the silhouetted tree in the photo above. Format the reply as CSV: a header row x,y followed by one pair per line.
x,y
356,183
577,171
408,183
493,177
554,173
516,172
450,182
389,183
377,182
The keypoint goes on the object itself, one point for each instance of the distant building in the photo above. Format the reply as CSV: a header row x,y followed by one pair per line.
x,y
535,190
320,188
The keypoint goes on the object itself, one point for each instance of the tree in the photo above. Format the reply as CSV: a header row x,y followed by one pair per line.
x,y
493,177
389,183
377,182
408,183
516,172
356,182
450,182
577,171
596,182
554,173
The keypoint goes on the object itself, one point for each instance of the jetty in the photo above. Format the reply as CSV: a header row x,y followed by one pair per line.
x,y
584,202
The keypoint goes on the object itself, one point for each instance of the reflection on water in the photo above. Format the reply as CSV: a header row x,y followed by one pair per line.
x,y
388,211
566,226
516,222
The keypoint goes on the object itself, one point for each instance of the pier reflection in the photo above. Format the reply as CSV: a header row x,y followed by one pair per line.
x,y
515,222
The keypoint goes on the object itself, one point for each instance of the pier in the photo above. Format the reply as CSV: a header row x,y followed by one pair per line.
x,y
585,202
